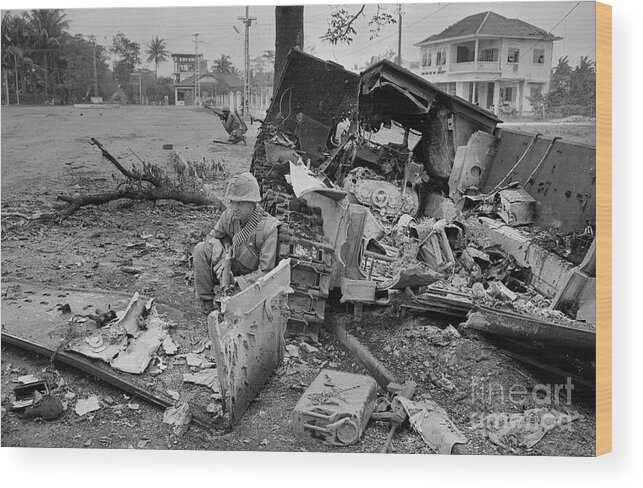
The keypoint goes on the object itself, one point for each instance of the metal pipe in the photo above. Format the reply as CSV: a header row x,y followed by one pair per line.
x,y
376,369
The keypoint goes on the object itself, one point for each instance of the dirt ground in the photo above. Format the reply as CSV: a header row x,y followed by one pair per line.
x,y
46,151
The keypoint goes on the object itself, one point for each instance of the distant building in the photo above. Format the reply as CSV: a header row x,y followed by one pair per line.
x,y
186,92
489,60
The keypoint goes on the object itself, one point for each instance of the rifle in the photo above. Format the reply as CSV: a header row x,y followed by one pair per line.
x,y
219,112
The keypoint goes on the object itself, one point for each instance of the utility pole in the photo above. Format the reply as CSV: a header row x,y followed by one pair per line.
x,y
196,67
399,34
93,39
247,21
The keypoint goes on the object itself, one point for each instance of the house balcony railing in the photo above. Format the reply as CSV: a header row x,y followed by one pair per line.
x,y
473,66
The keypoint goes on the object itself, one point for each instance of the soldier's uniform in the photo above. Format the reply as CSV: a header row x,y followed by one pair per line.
x,y
235,127
254,243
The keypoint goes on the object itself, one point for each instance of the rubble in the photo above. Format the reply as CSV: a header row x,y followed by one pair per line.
x,y
433,424
367,212
87,405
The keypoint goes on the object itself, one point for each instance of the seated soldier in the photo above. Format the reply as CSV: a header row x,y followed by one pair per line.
x,y
248,231
234,126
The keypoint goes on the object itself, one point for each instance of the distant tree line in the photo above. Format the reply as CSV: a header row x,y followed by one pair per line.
x,y
42,62
572,91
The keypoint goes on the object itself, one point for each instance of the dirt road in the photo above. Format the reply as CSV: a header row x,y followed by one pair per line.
x,y
45,151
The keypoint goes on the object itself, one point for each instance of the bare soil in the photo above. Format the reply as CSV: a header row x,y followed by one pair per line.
x,y
46,151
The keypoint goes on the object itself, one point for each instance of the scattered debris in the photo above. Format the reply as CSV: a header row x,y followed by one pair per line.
x,y
518,432
45,407
26,379
87,405
87,366
393,412
175,395
573,335
206,377
29,394
179,417
196,361
169,346
433,424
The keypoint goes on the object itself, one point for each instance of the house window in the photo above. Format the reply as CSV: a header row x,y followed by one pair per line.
x,y
426,58
536,89
507,94
514,54
489,55
539,55
441,57
464,54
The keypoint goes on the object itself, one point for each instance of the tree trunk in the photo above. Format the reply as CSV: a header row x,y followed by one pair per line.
x,y
289,22
46,75
6,86
15,63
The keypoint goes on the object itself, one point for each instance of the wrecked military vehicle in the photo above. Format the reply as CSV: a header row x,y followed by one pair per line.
x,y
373,147
365,170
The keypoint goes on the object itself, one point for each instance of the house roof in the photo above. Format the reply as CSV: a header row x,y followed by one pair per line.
x,y
229,81
490,24
204,78
225,82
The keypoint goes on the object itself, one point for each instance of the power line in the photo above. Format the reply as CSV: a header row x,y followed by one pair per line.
x,y
550,30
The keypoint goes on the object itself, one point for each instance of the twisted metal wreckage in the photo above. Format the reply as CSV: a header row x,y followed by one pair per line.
x,y
365,172
399,194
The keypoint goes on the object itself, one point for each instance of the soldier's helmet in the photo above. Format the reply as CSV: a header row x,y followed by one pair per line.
x,y
225,109
243,187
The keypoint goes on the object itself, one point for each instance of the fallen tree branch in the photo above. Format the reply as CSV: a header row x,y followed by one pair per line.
x,y
150,184
120,167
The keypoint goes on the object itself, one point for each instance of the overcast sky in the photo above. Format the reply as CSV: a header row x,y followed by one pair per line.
x,y
573,21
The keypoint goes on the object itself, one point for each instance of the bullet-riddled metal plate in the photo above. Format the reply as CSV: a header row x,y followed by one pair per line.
x,y
248,338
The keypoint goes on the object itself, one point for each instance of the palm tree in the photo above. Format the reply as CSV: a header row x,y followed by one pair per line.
x,y
157,52
14,43
46,27
224,66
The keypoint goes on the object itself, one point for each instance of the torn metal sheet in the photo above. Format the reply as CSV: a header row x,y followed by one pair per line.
x,y
131,321
520,431
141,349
304,180
412,277
248,338
87,405
524,328
207,377
433,424
442,302
107,350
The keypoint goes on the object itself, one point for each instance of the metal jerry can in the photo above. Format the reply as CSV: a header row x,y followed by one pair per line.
x,y
335,408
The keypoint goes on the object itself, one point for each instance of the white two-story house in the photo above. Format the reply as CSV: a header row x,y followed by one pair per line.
x,y
489,60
